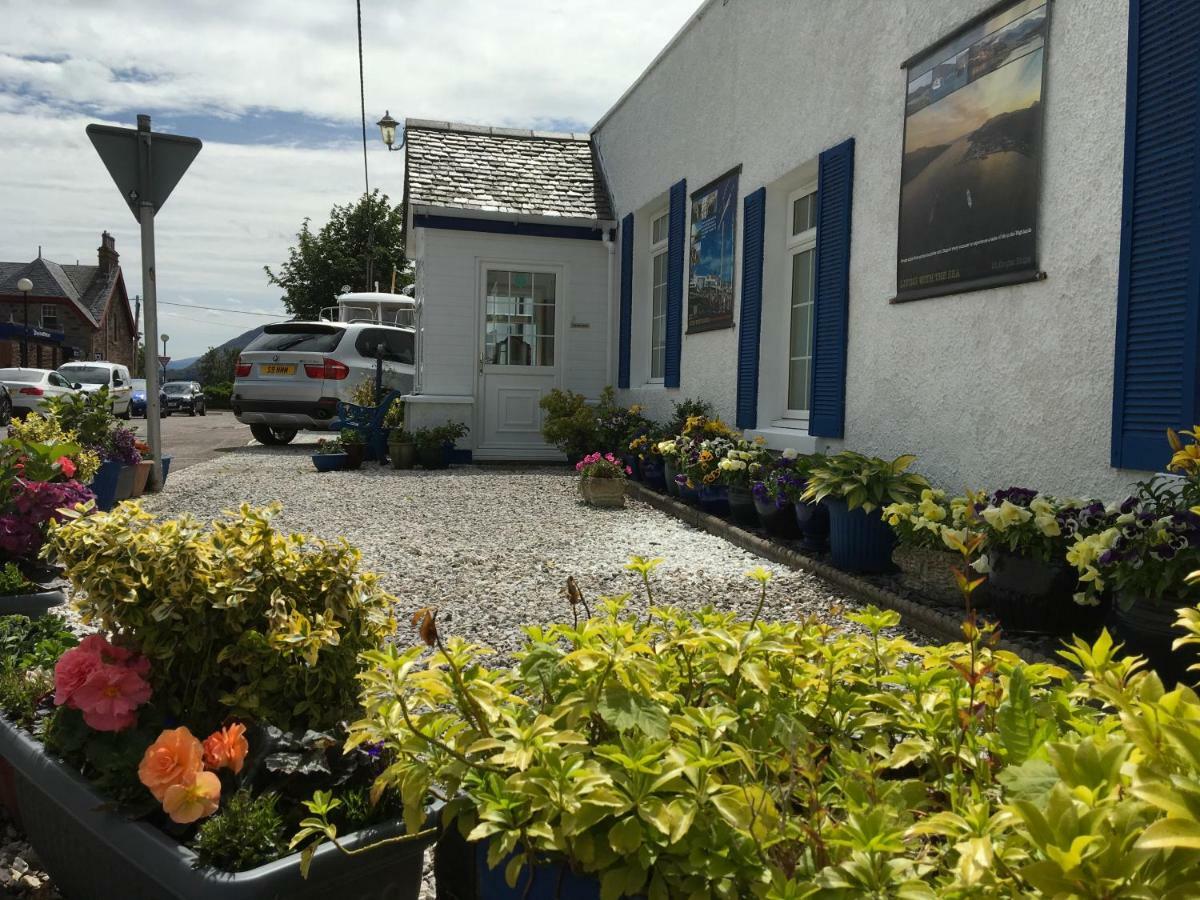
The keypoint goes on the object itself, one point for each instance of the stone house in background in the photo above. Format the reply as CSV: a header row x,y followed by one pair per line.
x,y
75,311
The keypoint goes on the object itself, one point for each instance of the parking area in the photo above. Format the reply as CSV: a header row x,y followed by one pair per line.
x,y
194,439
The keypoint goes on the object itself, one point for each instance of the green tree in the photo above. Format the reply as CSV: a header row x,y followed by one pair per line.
x,y
323,261
216,365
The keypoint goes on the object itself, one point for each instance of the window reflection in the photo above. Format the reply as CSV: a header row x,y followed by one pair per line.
x,y
519,318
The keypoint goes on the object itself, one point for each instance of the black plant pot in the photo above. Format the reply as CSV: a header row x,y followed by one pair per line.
x,y
1028,594
714,499
1147,628
741,507
433,456
813,519
859,541
777,521
355,453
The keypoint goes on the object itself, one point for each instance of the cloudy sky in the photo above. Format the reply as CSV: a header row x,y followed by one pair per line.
x,y
271,87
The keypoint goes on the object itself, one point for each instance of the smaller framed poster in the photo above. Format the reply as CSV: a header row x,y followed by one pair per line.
x,y
710,254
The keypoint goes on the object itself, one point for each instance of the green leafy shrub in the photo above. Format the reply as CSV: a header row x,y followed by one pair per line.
x,y
866,481
13,581
247,832
217,396
29,648
236,618
570,423
690,754
88,416
686,409
440,435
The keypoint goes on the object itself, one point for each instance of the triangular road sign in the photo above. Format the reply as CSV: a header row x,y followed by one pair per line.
x,y
170,156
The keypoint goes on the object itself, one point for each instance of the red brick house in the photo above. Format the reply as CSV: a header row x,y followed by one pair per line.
x,y
75,312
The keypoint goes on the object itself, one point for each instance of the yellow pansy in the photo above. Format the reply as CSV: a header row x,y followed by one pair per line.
x,y
1006,515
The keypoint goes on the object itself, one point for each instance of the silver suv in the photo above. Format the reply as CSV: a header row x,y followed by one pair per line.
x,y
292,376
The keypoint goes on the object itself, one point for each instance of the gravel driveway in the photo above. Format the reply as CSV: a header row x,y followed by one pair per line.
x,y
492,546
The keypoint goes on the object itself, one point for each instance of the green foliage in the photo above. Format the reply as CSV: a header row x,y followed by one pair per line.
x,y
13,581
350,437
237,619
21,691
34,643
688,409
217,396
364,395
216,367
862,481
689,754
247,832
570,423
34,435
88,416
440,435
323,261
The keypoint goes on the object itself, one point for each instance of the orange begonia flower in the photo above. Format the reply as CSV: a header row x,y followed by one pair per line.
x,y
174,759
227,748
185,803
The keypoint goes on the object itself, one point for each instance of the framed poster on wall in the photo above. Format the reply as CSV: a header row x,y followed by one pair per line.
x,y
710,252
972,153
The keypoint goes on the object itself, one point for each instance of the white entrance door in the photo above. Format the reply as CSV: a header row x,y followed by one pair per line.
x,y
519,360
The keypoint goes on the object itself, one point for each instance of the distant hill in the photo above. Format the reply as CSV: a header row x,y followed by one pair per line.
x,y
188,369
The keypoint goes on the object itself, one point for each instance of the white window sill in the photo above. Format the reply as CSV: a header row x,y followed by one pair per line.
x,y
786,437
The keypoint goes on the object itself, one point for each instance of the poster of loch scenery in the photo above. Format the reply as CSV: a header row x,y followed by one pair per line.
x,y
972,150
714,230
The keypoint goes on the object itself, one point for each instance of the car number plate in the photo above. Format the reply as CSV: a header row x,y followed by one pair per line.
x,y
269,369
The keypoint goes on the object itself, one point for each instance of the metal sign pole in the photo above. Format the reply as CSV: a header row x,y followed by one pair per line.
x,y
150,290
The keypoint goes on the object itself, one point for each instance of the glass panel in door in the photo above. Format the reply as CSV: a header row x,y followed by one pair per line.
x,y
801,332
519,318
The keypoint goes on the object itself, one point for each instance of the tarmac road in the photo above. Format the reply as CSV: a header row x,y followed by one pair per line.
x,y
194,439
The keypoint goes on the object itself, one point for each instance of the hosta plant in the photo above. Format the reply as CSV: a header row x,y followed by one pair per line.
x,y
866,482
698,754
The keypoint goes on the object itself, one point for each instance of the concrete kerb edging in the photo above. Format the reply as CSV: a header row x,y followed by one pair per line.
x,y
936,624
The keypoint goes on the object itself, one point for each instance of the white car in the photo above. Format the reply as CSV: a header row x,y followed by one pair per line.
x,y
30,388
94,375
292,376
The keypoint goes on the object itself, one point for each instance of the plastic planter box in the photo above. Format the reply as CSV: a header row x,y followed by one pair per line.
x,y
32,605
94,854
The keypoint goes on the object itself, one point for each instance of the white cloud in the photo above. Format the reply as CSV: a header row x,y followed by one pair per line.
x,y
64,64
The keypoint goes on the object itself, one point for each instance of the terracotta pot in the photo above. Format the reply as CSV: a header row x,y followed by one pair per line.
x,y
141,474
604,492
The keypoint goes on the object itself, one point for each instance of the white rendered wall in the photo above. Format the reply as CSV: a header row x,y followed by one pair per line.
x,y
448,271
1005,386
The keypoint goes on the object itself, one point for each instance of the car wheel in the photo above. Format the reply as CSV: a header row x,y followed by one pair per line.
x,y
121,415
192,410
270,436
203,410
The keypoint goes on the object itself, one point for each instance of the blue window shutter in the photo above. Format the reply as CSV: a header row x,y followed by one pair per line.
x,y
675,235
750,321
626,332
835,184
1155,377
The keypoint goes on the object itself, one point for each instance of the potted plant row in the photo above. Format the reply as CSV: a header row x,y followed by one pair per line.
x,y
435,445
181,755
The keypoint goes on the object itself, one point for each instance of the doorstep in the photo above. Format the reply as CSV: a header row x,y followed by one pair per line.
x,y
923,618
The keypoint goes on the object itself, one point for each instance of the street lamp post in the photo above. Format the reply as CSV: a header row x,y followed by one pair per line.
x,y
387,130
25,286
165,338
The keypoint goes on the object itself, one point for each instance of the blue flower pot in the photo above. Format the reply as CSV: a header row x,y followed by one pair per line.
x,y
329,462
653,475
859,541
687,494
741,507
670,470
813,521
777,521
104,484
714,499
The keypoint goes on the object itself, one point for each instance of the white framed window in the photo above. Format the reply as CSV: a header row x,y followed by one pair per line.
x,y
801,287
49,315
658,296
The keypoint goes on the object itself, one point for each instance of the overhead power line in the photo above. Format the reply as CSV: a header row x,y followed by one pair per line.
x,y
240,312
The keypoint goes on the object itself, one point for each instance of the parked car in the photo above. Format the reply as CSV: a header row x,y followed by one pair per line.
x,y
28,389
184,396
95,375
292,376
137,399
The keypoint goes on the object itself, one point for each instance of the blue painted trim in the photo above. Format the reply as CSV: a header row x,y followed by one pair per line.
x,y
9,330
750,320
625,334
676,227
523,229
1122,343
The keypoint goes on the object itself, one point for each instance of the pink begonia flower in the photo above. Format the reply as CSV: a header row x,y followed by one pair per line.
x,y
628,470
73,669
110,697
66,466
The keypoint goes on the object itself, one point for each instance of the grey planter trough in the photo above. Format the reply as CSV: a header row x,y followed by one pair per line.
x,y
32,605
92,853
